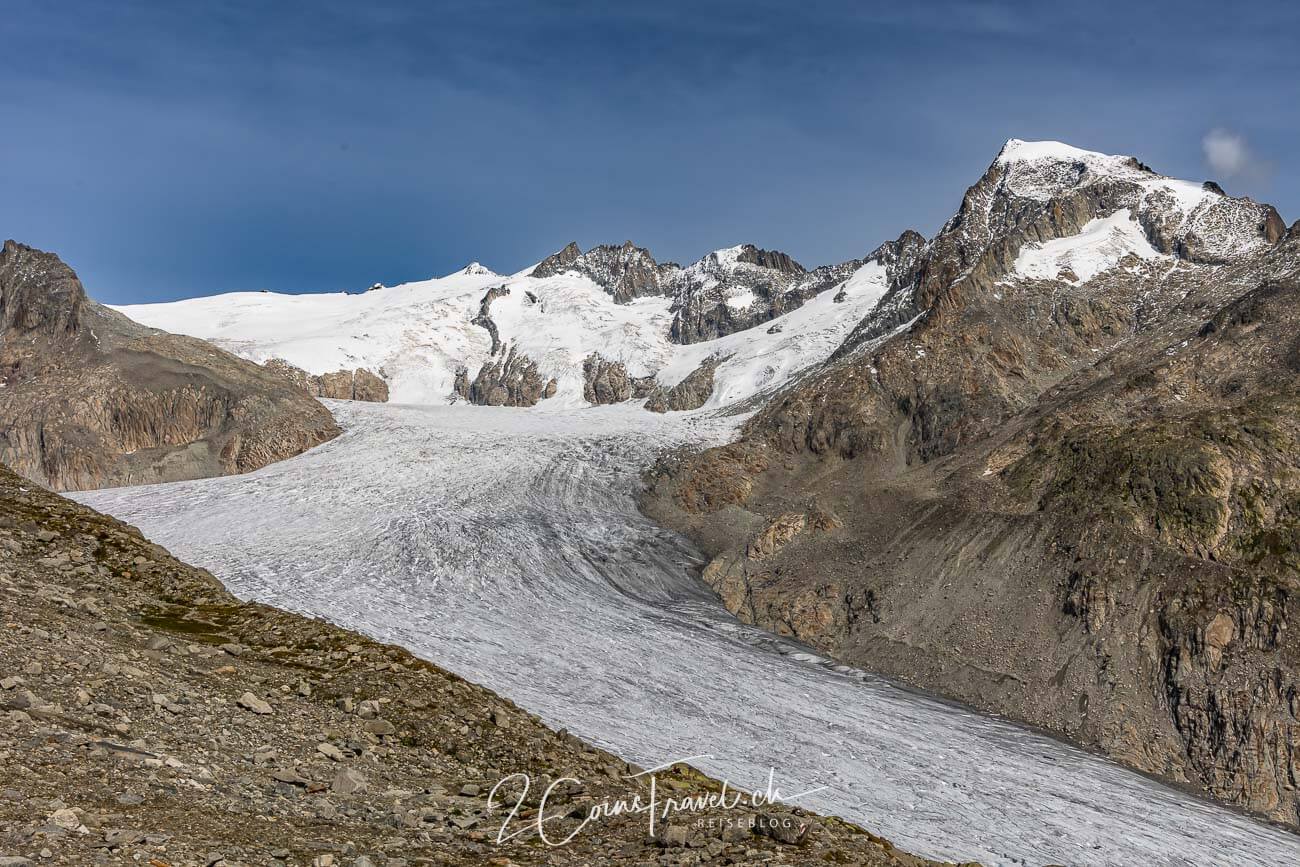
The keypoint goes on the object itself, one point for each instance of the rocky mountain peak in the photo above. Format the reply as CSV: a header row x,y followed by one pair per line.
x,y
625,270
905,247
1035,192
773,259
558,262
38,293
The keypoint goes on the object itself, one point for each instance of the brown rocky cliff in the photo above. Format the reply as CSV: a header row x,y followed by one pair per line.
x,y
92,399
691,393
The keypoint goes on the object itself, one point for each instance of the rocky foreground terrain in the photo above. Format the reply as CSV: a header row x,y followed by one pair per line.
x,y
91,399
1055,475
147,716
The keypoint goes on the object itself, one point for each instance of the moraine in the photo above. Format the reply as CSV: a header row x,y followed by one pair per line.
x,y
505,545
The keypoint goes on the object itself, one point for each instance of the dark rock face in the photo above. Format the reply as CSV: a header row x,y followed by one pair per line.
x,y
92,399
1072,503
510,380
691,393
773,259
606,381
358,384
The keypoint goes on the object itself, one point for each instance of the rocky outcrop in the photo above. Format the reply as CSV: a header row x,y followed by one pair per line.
x,y
606,381
358,384
1071,502
772,259
691,393
509,380
179,725
92,399
484,318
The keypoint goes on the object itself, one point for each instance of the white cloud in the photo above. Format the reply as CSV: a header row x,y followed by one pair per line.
x,y
1229,156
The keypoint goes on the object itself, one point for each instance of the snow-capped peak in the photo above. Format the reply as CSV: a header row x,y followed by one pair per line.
x,y
1018,150
475,269
1043,169
1198,219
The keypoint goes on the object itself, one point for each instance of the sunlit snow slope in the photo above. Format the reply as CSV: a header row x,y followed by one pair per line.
x,y
417,334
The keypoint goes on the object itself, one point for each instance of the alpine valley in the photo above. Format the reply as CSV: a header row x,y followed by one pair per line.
x,y
988,542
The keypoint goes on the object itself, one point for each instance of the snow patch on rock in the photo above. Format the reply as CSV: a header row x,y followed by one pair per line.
x,y
1102,245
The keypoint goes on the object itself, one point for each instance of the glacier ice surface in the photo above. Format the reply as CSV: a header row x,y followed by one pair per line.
x,y
505,545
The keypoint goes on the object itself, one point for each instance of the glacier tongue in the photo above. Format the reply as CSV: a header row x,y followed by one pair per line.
x,y
504,545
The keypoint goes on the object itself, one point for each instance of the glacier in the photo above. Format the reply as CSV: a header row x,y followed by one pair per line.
x,y
505,545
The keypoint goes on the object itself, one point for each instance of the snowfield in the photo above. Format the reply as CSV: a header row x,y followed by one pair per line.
x,y
1102,245
504,544
417,334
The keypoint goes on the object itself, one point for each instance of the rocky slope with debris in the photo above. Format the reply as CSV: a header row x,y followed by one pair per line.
x,y
1053,474
92,399
147,716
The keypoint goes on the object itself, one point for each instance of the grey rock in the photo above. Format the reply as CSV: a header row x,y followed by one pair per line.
x,y
348,781
330,751
250,702
379,727
358,384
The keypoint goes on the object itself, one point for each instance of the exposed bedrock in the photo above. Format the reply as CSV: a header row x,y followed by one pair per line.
x,y
358,384
606,381
511,379
691,393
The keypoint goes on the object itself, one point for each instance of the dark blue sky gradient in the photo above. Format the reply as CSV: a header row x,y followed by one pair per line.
x,y
175,149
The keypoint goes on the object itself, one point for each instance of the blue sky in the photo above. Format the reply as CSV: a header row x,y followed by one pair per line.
x,y
175,149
